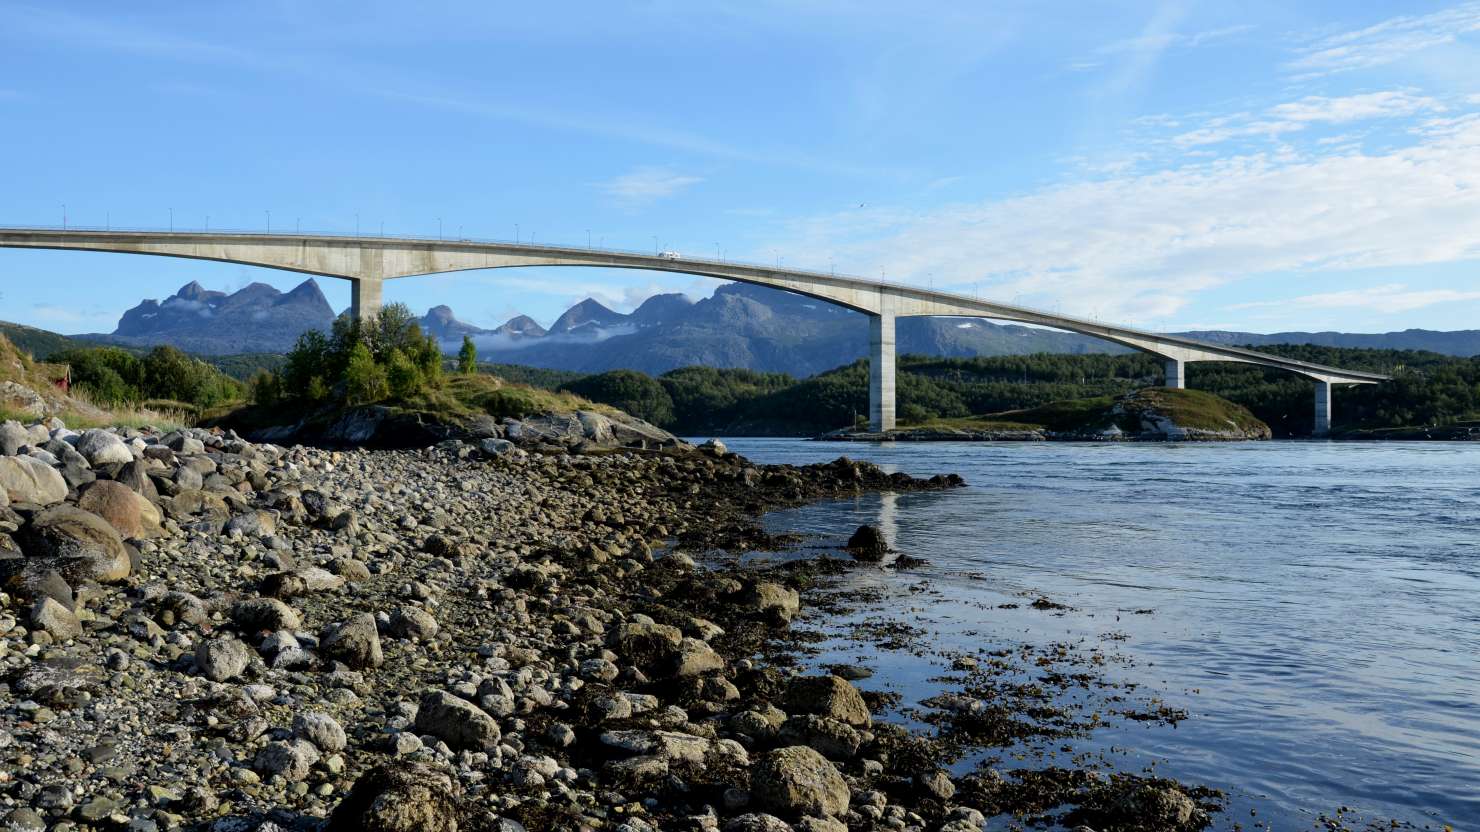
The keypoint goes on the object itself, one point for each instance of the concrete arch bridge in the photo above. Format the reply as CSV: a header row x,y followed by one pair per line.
x,y
367,262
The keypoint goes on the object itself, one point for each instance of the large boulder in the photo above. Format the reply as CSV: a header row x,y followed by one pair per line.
x,y
398,797
457,722
356,642
103,447
13,436
81,545
827,696
795,781
868,543
28,480
124,509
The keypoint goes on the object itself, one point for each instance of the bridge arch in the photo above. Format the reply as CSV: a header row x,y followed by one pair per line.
x,y
369,261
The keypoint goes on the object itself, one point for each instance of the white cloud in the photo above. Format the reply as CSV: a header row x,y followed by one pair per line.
x,y
1388,298
1386,42
1138,248
646,185
1390,104
1294,116
76,318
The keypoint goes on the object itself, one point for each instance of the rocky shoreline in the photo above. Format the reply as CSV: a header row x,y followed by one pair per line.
x,y
197,632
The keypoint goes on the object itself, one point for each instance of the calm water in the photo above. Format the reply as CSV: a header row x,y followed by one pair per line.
x,y
1316,605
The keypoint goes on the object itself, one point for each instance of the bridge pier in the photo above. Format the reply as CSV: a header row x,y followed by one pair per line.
x,y
1176,373
1323,408
881,370
364,298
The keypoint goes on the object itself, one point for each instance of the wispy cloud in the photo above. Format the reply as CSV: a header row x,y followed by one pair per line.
x,y
1387,298
1141,247
1386,42
1295,116
1155,39
645,185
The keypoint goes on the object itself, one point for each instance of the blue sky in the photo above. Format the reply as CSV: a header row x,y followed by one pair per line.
x,y
1173,165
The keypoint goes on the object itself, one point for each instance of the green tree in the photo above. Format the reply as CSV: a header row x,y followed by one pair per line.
x,y
364,380
265,388
467,357
636,393
402,375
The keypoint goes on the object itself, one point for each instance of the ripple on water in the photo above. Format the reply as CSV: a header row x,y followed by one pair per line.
x,y
1317,597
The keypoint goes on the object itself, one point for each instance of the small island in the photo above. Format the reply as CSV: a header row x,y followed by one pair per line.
x,y
1155,414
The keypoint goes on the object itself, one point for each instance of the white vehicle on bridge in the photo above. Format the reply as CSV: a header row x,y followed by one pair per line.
x,y
669,255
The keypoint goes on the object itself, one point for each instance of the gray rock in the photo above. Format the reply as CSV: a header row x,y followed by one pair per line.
x,y
50,615
355,642
257,614
828,696
102,447
413,622
13,437
798,781
773,600
320,729
25,479
290,760
220,659
456,721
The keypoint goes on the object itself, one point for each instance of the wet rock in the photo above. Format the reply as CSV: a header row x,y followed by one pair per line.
x,y
827,696
937,784
773,601
694,657
648,646
832,738
399,797
356,643
456,721
27,480
798,781
868,543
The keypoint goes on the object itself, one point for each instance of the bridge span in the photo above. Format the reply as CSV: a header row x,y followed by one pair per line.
x,y
367,262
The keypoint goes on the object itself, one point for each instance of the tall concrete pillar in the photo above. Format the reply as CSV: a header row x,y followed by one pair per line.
x,y
364,298
1176,373
881,370
1323,408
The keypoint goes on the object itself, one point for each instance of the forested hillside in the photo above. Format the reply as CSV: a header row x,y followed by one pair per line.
x,y
1427,389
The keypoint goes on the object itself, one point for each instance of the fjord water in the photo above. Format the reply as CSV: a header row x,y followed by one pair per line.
x,y
1315,606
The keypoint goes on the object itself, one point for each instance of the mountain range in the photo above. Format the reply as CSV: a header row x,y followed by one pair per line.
x,y
739,326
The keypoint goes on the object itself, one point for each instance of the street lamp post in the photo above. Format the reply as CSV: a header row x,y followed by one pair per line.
x,y
269,221
64,216
172,219
439,228
588,239
656,249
